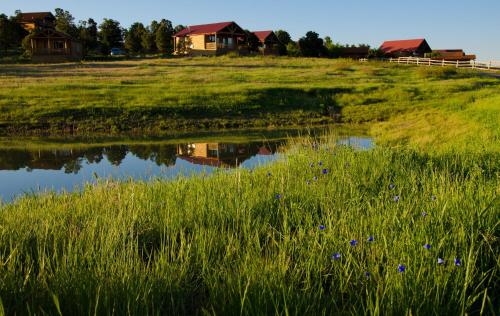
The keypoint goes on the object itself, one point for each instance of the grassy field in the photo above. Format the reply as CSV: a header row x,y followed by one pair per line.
x,y
155,96
408,228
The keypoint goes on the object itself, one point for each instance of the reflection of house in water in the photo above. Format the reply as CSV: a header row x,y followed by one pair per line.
x,y
220,155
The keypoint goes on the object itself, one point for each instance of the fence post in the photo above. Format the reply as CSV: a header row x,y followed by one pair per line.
x,y
457,63
489,65
418,61
442,64
430,61
473,64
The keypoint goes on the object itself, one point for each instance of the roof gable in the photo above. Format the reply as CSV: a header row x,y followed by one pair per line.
x,y
403,45
208,28
263,35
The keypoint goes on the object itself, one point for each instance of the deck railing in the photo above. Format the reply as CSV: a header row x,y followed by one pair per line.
x,y
490,65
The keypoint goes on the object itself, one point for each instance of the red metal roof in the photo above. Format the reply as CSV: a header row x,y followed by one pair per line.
x,y
262,35
401,46
203,29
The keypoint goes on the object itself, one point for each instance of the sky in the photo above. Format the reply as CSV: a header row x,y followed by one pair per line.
x,y
471,25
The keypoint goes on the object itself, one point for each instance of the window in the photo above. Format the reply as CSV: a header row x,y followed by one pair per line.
x,y
211,38
58,45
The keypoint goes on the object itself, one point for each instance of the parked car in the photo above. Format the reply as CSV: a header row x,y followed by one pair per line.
x,y
117,52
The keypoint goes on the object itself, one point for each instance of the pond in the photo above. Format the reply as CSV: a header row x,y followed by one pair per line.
x,y
35,166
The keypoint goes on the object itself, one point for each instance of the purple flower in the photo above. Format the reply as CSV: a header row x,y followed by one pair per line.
x,y
353,242
424,214
336,256
401,268
440,261
278,196
325,171
322,227
370,239
427,246
320,163
315,178
396,198
367,275
392,186
458,263
268,174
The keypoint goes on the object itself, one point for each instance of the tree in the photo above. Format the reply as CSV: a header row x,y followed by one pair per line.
x,y
65,22
333,50
293,49
11,34
110,35
88,35
312,45
163,37
134,38
284,39
179,28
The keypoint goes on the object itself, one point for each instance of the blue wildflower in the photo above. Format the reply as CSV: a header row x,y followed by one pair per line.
x,y
396,198
427,246
325,171
353,242
440,261
458,263
322,227
424,214
392,186
268,174
370,239
336,256
401,268
315,178
278,196
320,163
367,275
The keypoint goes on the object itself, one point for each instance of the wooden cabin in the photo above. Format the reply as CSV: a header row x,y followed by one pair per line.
x,y
354,52
268,42
47,44
451,55
210,39
406,48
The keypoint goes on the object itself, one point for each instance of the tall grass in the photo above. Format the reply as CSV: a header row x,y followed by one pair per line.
x,y
254,243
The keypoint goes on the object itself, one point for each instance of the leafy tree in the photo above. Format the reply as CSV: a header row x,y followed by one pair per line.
x,y
88,35
110,35
65,22
284,39
333,50
11,33
312,45
179,28
163,37
293,49
134,38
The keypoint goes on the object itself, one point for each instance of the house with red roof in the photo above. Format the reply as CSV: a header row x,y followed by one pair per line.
x,y
268,42
406,48
210,39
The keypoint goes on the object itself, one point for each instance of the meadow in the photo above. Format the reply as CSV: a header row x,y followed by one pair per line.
x,y
410,227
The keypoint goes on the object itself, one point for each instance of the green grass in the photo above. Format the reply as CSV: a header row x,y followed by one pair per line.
x,y
225,245
156,96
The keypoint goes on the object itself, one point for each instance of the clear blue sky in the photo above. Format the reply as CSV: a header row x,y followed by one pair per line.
x,y
471,25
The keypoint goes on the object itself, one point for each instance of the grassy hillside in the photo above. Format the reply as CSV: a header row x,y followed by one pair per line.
x,y
158,95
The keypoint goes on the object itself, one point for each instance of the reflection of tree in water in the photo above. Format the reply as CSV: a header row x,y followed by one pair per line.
x,y
162,155
73,166
116,154
94,154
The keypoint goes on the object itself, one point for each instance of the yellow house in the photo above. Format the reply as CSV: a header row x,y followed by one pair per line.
x,y
210,39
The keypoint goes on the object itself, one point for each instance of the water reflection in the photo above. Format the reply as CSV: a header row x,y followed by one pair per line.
x,y
66,168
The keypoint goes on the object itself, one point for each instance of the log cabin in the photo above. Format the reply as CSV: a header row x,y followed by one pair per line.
x,y
47,44
406,48
268,42
210,39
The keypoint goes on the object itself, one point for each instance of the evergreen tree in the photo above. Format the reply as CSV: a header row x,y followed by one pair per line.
x,y
110,35
164,33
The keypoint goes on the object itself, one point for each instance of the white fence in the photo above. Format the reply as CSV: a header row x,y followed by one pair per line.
x,y
490,65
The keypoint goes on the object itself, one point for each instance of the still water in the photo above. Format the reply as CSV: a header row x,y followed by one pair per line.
x,y
64,167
